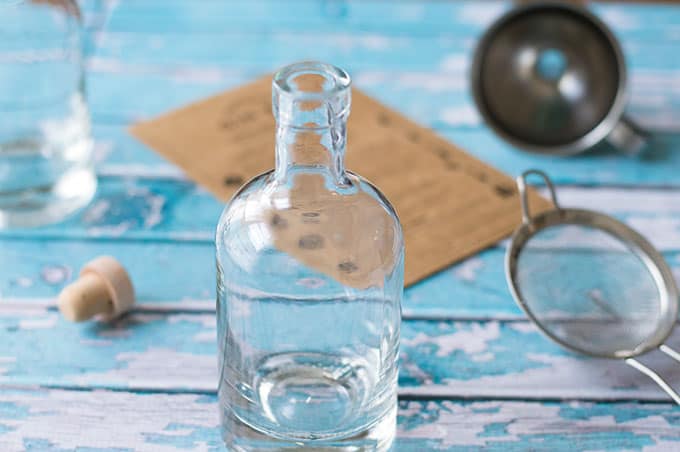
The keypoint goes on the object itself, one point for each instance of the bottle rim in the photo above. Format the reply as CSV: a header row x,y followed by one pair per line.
x,y
336,80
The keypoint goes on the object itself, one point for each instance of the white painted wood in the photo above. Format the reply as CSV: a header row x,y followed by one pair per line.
x,y
631,200
100,419
68,420
156,351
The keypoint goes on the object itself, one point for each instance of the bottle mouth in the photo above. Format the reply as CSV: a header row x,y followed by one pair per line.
x,y
310,94
312,80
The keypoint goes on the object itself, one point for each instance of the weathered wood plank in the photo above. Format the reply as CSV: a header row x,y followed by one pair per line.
x,y
163,271
436,96
132,208
170,208
414,17
168,225
180,275
357,51
439,99
177,222
175,351
155,351
33,273
423,75
119,154
658,167
445,107
56,420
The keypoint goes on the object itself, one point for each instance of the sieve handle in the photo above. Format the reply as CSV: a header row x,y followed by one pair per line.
x,y
524,194
655,376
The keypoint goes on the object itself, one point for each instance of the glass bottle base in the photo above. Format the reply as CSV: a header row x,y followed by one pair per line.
x,y
241,437
49,204
310,401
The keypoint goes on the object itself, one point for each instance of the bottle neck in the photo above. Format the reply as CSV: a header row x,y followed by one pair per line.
x,y
311,104
317,149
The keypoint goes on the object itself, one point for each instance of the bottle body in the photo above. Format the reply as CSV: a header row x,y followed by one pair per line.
x,y
310,280
45,142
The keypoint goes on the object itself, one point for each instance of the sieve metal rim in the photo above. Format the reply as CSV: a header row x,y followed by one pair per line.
x,y
635,242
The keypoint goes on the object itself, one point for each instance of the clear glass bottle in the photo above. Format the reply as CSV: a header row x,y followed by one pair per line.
x,y
309,280
45,143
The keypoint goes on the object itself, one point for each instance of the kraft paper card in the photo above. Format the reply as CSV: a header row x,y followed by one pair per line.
x,y
451,205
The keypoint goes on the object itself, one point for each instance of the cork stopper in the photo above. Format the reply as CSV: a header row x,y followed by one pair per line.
x,y
103,291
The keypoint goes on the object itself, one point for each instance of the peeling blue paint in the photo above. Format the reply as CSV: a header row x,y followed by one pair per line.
x,y
495,429
12,411
160,54
615,440
37,444
621,413
209,436
490,410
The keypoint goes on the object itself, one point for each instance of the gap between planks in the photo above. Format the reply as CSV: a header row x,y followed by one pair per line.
x,y
171,173
403,393
208,307
629,200
202,307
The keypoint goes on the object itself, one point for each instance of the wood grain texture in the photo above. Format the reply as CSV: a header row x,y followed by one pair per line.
x,y
137,74
436,95
465,18
166,225
440,101
120,155
33,273
362,51
407,52
64,421
149,56
167,208
160,351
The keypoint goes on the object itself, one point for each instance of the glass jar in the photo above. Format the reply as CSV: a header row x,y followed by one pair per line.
x,y
45,143
310,261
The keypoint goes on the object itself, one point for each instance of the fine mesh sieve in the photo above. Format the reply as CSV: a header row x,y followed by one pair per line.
x,y
591,283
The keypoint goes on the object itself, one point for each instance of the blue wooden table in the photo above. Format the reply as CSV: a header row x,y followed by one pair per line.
x,y
474,373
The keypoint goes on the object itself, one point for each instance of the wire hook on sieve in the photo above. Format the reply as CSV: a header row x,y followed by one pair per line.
x,y
632,362
524,195
602,304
